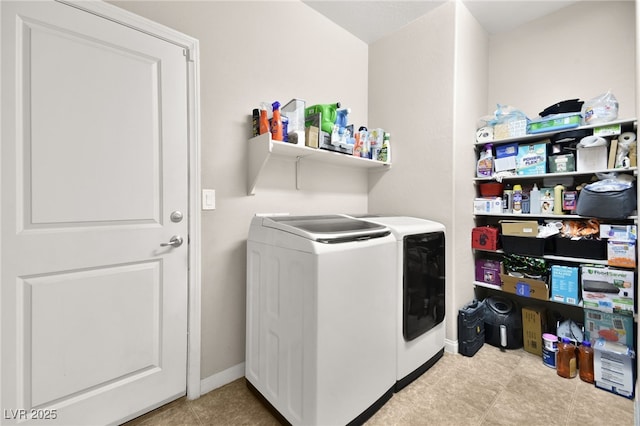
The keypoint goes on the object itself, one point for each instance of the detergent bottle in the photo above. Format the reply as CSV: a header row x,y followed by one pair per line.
x,y
328,115
385,152
485,162
264,119
276,123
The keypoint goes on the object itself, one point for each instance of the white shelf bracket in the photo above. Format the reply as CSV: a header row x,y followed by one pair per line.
x,y
298,158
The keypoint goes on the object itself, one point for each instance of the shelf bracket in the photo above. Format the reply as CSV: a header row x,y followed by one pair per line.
x,y
298,158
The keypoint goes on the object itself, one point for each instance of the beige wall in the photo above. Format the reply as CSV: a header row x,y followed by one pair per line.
x,y
580,51
252,52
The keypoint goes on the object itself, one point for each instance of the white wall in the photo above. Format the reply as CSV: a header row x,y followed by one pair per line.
x,y
428,85
580,51
253,52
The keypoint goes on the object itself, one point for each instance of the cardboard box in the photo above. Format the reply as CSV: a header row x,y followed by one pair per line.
x,y
555,122
532,159
608,130
534,323
621,253
611,327
485,238
613,367
564,284
562,163
487,205
592,158
510,129
607,289
525,287
519,228
488,271
506,157
619,232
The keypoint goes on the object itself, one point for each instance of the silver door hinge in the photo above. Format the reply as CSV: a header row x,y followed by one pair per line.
x,y
189,54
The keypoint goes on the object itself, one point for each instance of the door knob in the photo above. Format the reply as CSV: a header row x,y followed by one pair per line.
x,y
175,241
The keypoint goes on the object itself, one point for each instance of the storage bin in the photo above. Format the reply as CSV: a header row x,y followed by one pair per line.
x,y
485,238
608,204
588,249
526,245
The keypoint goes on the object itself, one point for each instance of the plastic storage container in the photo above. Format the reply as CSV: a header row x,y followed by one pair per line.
x,y
566,360
585,356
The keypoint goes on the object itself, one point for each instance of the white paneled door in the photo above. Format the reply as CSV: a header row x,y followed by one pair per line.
x,y
94,189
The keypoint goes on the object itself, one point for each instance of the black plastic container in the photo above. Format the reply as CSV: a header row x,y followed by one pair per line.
x,y
588,249
527,245
471,328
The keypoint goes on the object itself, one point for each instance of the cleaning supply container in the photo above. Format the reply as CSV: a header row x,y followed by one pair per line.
x,y
549,349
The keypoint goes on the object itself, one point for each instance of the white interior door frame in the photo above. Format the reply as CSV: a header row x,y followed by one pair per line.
x,y
191,48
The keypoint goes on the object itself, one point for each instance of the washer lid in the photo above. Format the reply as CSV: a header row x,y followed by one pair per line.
x,y
327,228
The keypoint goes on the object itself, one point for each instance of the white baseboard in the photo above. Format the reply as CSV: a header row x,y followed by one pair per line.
x,y
222,378
451,346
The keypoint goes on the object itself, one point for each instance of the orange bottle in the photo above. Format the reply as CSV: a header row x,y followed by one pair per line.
x,y
276,123
264,119
566,360
585,357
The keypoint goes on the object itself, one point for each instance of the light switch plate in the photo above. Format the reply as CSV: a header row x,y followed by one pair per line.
x,y
208,199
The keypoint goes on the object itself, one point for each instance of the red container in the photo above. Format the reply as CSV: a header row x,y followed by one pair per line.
x,y
491,189
485,238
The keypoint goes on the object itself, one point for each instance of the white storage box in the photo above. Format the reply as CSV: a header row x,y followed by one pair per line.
x,y
592,158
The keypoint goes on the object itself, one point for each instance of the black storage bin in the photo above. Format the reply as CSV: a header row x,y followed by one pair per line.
x,y
526,245
471,328
502,323
588,249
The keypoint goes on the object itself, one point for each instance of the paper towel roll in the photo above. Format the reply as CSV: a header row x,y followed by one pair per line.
x,y
627,137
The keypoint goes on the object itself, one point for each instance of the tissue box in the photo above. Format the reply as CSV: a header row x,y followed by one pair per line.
x,y
506,157
611,327
532,159
487,205
607,289
613,367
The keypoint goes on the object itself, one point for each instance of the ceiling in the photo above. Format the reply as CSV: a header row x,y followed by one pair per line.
x,y
372,20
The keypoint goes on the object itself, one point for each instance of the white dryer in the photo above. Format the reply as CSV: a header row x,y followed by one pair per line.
x,y
320,345
420,293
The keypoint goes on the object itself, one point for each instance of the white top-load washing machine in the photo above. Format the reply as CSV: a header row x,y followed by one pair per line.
x,y
421,293
321,312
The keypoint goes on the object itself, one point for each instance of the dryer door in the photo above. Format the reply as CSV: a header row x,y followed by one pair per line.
x,y
423,283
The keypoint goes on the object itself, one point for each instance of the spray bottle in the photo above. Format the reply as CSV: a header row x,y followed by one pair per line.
x,y
276,123
340,126
264,118
485,162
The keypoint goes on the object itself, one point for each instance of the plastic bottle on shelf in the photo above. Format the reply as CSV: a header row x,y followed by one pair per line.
x,y
276,123
507,199
264,119
566,359
557,199
585,356
534,200
517,199
484,167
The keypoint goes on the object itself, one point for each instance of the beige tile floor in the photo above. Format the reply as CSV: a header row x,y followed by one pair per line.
x,y
493,387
